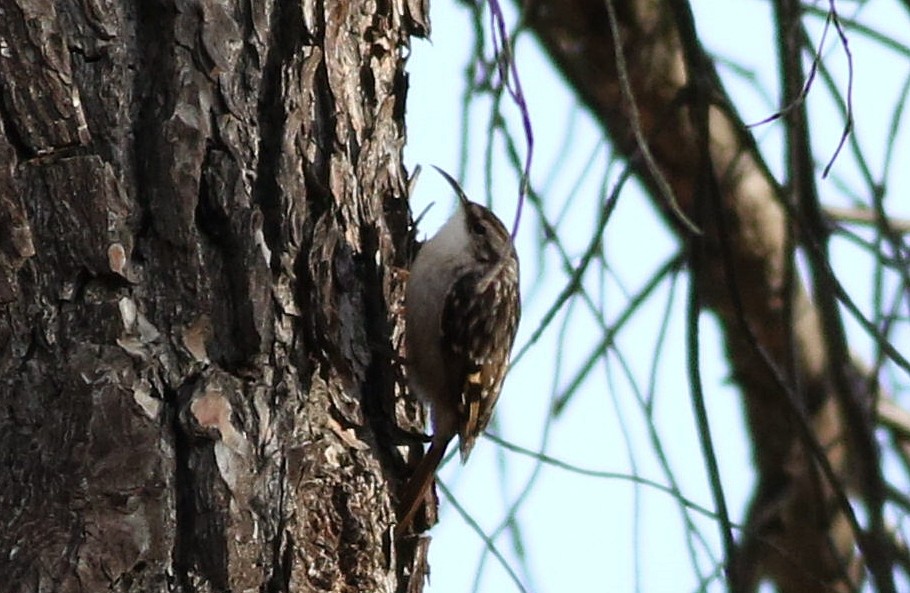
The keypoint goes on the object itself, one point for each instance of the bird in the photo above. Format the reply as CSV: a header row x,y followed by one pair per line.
x,y
462,308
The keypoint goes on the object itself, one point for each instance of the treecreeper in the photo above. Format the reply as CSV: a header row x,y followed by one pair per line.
x,y
462,308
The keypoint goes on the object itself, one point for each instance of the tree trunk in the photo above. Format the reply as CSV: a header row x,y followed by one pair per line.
x,y
202,205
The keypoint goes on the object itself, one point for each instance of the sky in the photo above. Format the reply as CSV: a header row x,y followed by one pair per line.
x,y
604,533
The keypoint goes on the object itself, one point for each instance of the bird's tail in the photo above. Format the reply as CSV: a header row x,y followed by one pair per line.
x,y
419,485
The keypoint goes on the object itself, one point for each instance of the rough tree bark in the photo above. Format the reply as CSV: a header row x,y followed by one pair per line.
x,y
803,398
201,208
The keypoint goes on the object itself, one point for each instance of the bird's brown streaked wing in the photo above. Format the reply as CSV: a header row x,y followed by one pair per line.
x,y
469,336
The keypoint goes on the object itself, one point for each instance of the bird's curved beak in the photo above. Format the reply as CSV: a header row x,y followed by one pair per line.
x,y
458,191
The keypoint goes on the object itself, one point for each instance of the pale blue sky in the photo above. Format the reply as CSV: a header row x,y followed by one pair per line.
x,y
580,531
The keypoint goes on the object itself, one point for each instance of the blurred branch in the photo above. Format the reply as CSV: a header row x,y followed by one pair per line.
x,y
606,475
788,363
866,216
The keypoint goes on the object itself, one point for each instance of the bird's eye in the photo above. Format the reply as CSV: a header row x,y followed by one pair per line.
x,y
478,229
